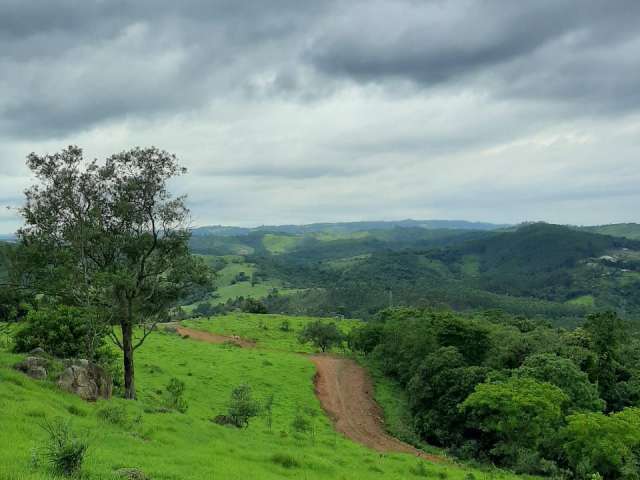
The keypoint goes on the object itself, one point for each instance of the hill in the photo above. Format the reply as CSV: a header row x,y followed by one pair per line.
x,y
345,227
167,444
627,230
537,269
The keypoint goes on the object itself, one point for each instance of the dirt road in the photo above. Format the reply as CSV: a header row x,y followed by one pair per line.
x,y
214,337
346,394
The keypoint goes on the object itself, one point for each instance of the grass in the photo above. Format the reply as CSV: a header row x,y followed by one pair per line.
x,y
583,300
280,243
176,446
264,329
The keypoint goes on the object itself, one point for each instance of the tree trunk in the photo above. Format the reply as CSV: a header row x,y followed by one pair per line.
x,y
127,349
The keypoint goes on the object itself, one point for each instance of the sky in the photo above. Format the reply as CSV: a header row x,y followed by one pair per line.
x,y
294,111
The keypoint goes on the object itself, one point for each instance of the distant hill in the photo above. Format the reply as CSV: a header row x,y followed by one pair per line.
x,y
626,230
536,269
346,227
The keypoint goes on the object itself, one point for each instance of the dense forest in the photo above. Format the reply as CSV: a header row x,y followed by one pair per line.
x,y
517,392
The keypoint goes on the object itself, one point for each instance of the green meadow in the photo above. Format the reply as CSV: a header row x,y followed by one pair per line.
x,y
172,445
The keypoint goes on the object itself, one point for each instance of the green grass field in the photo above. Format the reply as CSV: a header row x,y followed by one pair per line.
x,y
190,446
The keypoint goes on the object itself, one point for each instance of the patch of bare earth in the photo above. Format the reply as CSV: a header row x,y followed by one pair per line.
x,y
213,337
345,392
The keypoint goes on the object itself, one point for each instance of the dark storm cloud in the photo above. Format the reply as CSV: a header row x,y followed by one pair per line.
x,y
556,50
67,66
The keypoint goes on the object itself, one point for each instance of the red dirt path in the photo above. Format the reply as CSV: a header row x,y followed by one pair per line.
x,y
346,394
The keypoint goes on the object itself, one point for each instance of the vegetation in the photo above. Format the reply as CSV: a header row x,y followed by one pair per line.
x,y
168,444
116,238
514,391
321,334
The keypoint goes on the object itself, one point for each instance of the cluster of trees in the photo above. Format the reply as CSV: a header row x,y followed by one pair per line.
x,y
517,392
102,245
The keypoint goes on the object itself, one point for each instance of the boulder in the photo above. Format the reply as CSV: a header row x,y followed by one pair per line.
x,y
38,352
87,380
35,367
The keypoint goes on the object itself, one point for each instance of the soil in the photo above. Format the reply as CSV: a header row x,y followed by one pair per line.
x,y
345,392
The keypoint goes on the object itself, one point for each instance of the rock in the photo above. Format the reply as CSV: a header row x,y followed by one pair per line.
x,y
131,474
35,367
87,380
37,352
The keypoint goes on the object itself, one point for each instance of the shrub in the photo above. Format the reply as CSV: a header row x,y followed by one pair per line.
x,y
175,396
285,326
114,414
242,406
64,450
301,424
419,470
322,335
61,331
285,460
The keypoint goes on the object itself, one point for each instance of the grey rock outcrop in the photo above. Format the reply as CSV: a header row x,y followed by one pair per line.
x,y
35,367
87,380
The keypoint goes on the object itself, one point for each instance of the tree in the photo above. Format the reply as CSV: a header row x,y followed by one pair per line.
x,y
322,335
440,384
606,444
242,406
110,237
515,416
564,374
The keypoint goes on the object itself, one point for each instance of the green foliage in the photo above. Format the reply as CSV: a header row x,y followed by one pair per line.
x,y
242,406
609,445
442,381
62,331
517,414
174,398
321,334
64,450
251,305
285,460
564,374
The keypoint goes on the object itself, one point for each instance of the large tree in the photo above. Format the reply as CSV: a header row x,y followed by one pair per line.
x,y
110,238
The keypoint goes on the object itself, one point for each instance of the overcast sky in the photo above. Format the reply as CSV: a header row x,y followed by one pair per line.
x,y
292,111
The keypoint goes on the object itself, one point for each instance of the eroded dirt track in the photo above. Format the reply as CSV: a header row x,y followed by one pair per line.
x,y
213,337
346,394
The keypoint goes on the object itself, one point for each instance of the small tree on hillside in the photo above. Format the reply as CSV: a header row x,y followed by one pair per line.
x,y
111,238
322,335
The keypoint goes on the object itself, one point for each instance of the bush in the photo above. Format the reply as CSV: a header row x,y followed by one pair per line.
x,y
61,331
251,305
64,450
301,424
285,460
114,414
285,326
174,396
322,335
242,406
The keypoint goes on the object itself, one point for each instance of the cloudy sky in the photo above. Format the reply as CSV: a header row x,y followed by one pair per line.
x,y
292,111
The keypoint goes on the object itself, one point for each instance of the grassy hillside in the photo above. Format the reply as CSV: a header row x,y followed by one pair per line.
x,y
189,446
627,230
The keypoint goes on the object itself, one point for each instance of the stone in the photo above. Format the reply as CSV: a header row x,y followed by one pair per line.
x,y
37,352
35,367
131,474
87,380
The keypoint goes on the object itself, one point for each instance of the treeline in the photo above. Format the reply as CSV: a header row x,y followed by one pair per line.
x,y
517,392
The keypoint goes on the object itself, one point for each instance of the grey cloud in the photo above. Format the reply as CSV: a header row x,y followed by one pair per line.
x,y
550,49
